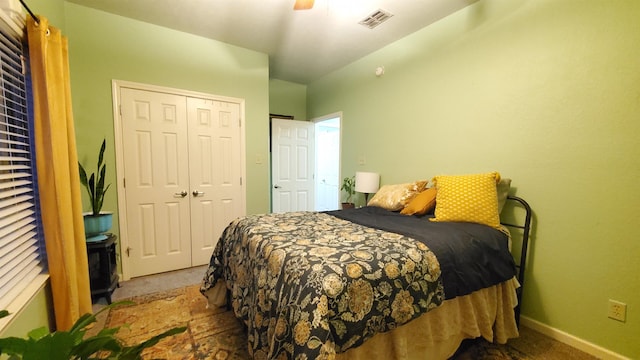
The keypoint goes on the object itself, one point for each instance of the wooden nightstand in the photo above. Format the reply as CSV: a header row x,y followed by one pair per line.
x,y
103,273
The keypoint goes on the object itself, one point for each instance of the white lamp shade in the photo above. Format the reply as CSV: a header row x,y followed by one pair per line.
x,y
367,182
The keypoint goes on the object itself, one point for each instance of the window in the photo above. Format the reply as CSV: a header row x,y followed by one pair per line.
x,y
22,251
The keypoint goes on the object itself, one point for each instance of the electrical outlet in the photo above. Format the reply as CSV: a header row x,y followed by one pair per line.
x,y
617,310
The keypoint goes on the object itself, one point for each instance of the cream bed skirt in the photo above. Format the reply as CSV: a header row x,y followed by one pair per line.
x,y
437,334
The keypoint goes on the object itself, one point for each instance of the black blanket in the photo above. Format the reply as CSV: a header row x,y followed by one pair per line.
x,y
472,256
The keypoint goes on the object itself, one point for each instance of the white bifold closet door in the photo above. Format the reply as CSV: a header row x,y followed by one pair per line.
x,y
182,177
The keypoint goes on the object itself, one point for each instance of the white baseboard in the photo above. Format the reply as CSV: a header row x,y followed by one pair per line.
x,y
566,338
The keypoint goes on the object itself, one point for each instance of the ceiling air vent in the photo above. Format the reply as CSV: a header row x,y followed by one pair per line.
x,y
376,18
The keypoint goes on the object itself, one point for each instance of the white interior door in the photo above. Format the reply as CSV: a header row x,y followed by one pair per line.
x,y
183,169
292,165
157,181
215,172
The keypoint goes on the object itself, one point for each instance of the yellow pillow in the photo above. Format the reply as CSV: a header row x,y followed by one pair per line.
x,y
468,198
395,197
422,203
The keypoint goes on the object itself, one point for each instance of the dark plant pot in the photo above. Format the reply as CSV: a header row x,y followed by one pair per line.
x,y
97,225
348,205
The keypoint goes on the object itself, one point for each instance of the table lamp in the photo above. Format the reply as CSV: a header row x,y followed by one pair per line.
x,y
367,183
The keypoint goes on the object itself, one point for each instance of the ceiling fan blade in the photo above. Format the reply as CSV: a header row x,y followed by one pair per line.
x,y
303,4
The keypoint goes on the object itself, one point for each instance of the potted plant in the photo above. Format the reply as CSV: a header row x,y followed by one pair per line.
x,y
348,186
96,222
43,344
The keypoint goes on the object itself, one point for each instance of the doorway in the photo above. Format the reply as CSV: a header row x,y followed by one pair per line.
x,y
320,139
327,180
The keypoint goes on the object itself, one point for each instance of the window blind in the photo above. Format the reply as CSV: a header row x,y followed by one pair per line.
x,y
22,252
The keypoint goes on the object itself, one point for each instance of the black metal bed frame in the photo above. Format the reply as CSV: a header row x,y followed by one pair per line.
x,y
526,229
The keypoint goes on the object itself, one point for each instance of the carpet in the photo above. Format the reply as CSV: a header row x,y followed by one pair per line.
x,y
217,334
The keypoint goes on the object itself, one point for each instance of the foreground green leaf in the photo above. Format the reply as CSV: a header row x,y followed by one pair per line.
x,y
64,345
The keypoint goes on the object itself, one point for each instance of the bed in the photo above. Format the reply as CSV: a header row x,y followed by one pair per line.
x,y
368,283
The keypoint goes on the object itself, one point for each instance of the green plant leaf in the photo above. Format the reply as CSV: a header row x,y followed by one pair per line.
x,y
100,185
92,185
83,174
56,346
99,197
101,154
108,331
96,344
92,193
100,200
82,322
65,345
348,186
13,346
38,333
87,319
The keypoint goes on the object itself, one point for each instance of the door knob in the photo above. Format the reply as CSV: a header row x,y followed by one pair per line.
x,y
277,186
183,193
197,193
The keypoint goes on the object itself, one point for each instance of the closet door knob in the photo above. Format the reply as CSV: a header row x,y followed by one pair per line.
x,y
198,193
183,193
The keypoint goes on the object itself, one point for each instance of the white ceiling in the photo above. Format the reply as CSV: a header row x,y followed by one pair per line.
x,y
302,45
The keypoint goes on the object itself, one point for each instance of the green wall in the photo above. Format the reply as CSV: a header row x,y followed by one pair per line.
x,y
37,313
546,92
288,98
53,10
105,47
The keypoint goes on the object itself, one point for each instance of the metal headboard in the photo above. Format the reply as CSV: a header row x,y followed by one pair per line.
x,y
526,228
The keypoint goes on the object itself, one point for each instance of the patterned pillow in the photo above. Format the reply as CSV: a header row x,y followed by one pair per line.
x,y
421,204
395,197
468,198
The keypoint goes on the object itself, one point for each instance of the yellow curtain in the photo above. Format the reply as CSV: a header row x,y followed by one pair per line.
x,y
58,179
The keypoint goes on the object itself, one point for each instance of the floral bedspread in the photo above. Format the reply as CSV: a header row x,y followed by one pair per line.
x,y
308,285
